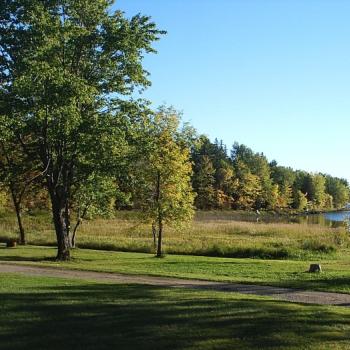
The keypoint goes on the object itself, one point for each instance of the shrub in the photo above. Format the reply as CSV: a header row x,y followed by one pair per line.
x,y
315,246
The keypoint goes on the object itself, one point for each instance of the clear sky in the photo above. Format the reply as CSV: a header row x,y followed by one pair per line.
x,y
274,75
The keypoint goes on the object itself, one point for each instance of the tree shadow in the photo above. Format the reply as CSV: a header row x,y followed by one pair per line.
x,y
337,284
26,258
107,316
14,254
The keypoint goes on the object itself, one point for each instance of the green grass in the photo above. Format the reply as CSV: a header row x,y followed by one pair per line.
x,y
287,273
50,313
210,234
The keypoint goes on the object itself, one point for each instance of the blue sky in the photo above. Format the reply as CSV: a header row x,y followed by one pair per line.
x,y
274,75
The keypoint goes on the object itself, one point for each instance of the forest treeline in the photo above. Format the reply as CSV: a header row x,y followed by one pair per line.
x,y
239,179
243,179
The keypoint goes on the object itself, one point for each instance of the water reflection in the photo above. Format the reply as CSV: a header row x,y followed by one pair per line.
x,y
331,219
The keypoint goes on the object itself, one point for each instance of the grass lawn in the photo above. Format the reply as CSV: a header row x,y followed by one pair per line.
x,y
335,275
50,313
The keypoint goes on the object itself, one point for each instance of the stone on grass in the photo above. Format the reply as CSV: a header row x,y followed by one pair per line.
x,y
315,268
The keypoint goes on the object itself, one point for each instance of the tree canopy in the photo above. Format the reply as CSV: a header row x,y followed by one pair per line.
x,y
163,185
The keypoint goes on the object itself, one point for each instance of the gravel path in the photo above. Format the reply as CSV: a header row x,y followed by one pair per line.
x,y
287,294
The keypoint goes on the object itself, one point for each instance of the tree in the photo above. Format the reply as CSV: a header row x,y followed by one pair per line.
x,y
300,200
16,174
284,177
94,197
317,190
163,189
203,183
339,190
225,182
285,198
258,166
247,187
273,200
64,68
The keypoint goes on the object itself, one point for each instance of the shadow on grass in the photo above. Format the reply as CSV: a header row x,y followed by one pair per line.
x,y
26,258
105,316
12,254
332,283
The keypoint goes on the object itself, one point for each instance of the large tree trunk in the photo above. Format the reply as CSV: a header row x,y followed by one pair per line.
x,y
160,235
61,222
17,205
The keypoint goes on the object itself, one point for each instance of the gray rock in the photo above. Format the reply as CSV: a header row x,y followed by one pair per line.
x,y
315,268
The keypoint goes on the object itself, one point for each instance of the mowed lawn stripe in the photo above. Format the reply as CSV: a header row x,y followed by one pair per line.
x,y
287,294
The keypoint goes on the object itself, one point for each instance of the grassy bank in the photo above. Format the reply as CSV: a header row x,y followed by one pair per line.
x,y
105,316
287,273
210,234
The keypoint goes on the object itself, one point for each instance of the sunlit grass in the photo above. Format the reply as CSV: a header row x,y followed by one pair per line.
x,y
287,273
213,234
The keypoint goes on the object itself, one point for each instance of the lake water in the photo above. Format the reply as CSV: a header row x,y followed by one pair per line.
x,y
331,219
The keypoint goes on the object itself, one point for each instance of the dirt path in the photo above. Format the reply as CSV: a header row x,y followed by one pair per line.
x,y
287,294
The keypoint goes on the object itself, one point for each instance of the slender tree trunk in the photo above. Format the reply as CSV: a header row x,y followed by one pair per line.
x,y
154,232
59,212
159,218
17,205
160,234
79,222
72,241
75,232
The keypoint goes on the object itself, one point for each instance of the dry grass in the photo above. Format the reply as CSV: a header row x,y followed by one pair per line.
x,y
209,234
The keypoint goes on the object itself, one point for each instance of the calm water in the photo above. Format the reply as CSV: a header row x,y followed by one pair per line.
x,y
331,219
